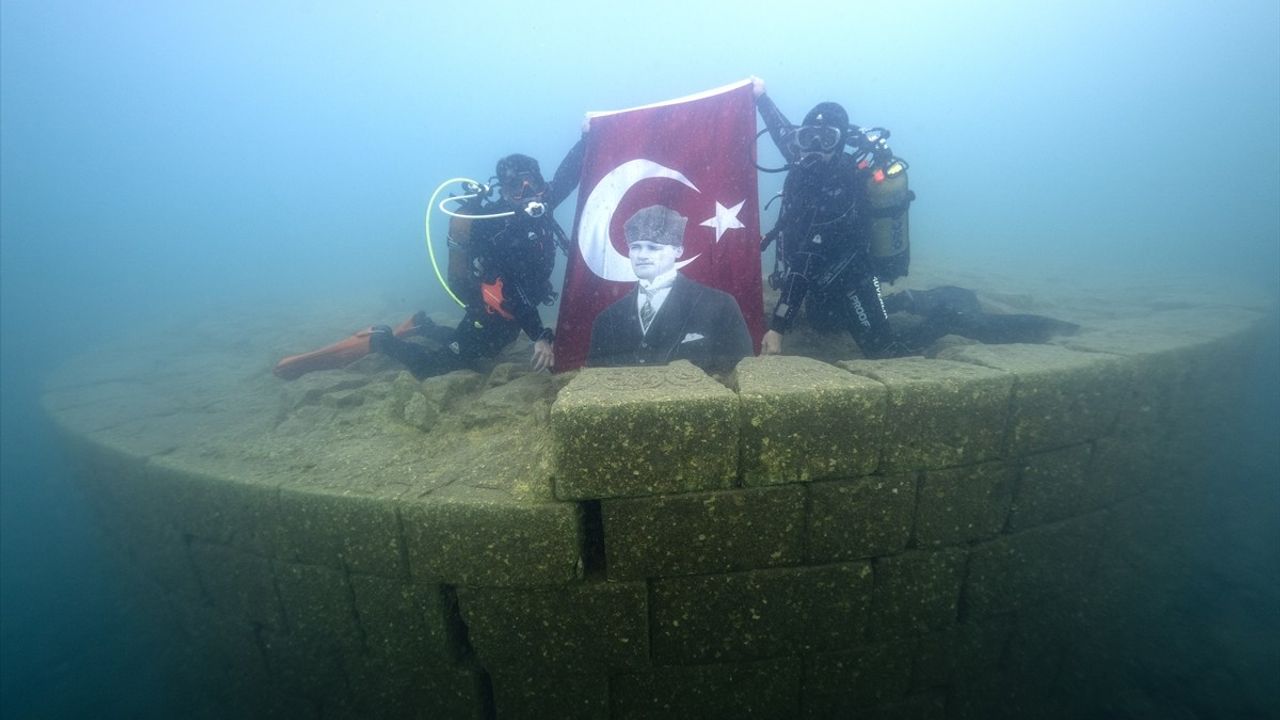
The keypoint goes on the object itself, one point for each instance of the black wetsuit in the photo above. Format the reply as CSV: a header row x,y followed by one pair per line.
x,y
825,253
827,264
519,251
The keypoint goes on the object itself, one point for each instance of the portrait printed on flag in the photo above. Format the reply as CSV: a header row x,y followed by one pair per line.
x,y
668,218
667,316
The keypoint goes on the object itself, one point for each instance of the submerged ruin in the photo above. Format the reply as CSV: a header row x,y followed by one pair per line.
x,y
947,536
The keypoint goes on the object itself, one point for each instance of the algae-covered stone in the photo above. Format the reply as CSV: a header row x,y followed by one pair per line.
x,y
382,689
927,705
1127,464
215,509
544,695
840,683
221,647
507,404
710,532
1059,484
341,530
300,666
574,628
238,583
940,412
1018,570
765,689
317,606
1060,397
1148,404
860,518
403,621
623,432
806,420
472,536
916,592
122,494
760,613
1213,386
963,504
420,403
961,651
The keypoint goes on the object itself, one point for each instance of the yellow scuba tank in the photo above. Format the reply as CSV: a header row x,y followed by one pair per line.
x,y
887,227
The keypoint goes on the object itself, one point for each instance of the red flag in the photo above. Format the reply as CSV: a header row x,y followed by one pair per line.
x,y
695,155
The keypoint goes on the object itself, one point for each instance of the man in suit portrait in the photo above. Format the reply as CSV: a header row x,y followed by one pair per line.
x,y
667,316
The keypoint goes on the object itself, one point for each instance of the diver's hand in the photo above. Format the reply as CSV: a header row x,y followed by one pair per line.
x,y
771,343
757,86
544,356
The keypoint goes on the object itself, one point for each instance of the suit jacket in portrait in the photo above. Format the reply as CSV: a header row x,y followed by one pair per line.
x,y
695,323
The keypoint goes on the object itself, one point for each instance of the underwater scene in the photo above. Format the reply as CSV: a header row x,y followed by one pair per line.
x,y
662,360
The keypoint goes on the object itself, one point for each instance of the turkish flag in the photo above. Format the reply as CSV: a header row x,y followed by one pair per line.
x,y
695,155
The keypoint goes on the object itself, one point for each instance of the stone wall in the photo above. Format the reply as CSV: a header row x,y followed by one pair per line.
x,y
938,537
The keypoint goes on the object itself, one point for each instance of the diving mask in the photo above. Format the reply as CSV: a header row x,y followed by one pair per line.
x,y
818,138
524,186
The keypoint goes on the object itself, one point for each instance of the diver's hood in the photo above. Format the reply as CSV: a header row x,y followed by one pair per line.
x,y
515,165
832,115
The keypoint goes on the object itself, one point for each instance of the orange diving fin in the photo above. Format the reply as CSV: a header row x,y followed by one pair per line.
x,y
339,354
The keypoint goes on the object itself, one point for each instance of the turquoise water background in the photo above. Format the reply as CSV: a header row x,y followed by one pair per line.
x,y
165,161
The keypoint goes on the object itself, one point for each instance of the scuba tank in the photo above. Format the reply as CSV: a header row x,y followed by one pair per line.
x,y
887,225
460,252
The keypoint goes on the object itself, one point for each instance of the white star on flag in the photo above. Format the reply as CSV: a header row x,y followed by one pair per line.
x,y
725,219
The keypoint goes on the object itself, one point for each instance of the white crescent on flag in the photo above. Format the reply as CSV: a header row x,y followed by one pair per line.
x,y
597,214
639,157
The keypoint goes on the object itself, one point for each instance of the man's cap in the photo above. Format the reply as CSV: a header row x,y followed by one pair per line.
x,y
656,224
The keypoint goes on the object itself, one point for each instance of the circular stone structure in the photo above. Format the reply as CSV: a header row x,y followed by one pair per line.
x,y
940,536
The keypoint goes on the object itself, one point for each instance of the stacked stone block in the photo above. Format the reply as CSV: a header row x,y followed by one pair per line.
x,y
907,538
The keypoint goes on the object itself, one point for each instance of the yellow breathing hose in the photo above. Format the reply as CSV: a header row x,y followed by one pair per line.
x,y
430,248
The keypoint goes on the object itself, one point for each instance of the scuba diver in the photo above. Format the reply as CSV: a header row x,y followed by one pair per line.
x,y
501,254
842,228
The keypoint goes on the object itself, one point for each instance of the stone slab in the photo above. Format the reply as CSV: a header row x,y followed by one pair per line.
x,y
840,684
299,666
803,420
765,689
760,613
159,551
404,622
1018,570
624,432
928,705
219,648
940,412
916,592
396,690
963,504
537,696
1060,397
962,651
1059,484
318,606
342,530
576,628
711,532
470,536
238,583
1130,464
215,509
860,518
